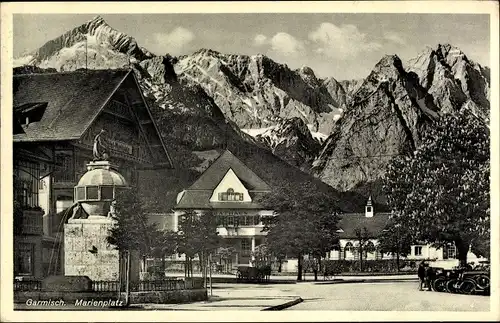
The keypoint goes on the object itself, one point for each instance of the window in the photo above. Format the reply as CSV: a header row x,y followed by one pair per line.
x,y
80,193
230,195
92,193
106,192
348,250
368,209
450,251
30,112
24,259
65,170
417,250
369,248
245,247
26,183
249,220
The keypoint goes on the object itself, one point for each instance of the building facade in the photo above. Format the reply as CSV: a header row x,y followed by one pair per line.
x,y
57,117
375,222
229,189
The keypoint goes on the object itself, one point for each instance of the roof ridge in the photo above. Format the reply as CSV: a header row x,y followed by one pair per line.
x,y
210,166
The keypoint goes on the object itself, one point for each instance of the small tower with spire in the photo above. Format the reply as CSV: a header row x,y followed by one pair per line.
x,y
369,208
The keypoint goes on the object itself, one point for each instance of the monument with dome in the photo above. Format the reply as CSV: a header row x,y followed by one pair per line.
x,y
86,250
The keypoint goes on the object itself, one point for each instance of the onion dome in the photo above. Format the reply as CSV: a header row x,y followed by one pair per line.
x,y
99,183
103,177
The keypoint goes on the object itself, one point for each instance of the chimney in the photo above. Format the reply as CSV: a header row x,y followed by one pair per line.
x,y
369,208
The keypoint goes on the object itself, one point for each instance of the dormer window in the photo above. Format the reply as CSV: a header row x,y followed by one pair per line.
x,y
230,195
30,112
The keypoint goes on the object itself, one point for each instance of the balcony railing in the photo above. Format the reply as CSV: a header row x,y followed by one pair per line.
x,y
64,177
32,223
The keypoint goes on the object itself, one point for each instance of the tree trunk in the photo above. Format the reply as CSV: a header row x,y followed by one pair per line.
x,y
360,258
462,251
316,269
280,263
397,261
127,284
299,268
163,266
203,269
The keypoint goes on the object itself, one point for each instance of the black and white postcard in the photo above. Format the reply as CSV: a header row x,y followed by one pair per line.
x,y
328,160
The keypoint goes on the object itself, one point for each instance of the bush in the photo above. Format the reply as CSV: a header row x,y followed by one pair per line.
x,y
381,265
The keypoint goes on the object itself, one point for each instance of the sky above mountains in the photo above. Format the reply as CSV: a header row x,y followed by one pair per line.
x,y
342,45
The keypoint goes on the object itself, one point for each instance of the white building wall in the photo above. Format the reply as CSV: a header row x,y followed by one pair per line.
x,y
230,180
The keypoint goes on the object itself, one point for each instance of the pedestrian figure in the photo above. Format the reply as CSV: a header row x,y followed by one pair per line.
x,y
421,275
428,276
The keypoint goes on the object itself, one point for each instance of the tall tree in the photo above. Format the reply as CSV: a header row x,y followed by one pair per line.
x,y
164,245
197,235
441,193
305,222
364,244
395,241
131,231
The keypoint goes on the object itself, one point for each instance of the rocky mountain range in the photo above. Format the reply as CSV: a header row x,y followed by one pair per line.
x,y
343,132
392,107
257,92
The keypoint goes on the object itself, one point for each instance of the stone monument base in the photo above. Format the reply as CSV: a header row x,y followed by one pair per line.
x,y
87,252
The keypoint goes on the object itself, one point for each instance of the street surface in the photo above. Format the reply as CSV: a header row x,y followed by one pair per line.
x,y
381,296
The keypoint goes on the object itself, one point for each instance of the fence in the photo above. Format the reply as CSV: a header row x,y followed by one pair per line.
x,y
148,285
114,286
27,285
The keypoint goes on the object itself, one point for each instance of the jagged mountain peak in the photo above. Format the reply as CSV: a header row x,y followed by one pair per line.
x,y
389,63
207,51
97,20
306,70
453,79
94,43
447,49
308,74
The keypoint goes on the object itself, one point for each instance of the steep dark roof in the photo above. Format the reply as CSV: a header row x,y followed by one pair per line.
x,y
74,100
212,176
197,196
349,222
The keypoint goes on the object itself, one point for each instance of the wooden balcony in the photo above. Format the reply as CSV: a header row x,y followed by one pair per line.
x,y
32,223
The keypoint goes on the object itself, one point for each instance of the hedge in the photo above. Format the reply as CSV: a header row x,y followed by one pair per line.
x,y
381,265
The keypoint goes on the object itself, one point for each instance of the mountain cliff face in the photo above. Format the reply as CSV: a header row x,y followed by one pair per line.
x,y
350,87
453,80
257,92
389,111
292,141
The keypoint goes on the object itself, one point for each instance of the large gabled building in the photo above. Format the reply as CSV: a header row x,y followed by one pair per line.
x,y
57,117
229,189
